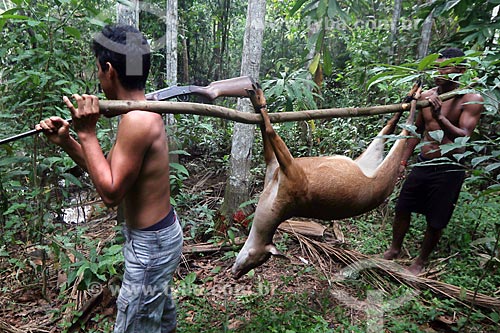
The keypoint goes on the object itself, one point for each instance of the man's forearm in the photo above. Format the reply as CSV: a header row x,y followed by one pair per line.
x,y
99,169
450,131
74,150
410,147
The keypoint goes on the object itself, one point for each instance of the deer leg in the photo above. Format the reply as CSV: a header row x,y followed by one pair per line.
x,y
269,156
373,156
279,148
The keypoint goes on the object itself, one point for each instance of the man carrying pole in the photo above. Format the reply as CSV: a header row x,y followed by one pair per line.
x,y
135,173
432,188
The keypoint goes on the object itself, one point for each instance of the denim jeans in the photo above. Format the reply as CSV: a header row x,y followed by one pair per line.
x,y
145,301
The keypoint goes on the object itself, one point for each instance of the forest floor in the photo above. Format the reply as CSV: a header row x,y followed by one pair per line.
x,y
314,290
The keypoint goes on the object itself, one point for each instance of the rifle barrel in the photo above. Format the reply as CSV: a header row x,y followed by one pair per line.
x,y
19,136
25,134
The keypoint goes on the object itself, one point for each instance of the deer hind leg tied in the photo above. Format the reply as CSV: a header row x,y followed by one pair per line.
x,y
373,156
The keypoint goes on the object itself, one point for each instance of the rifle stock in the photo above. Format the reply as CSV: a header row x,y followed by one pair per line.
x,y
235,87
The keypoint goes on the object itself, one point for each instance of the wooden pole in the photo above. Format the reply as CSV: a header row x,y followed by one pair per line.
x,y
114,108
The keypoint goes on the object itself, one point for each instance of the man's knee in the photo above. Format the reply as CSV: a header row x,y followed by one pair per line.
x,y
402,216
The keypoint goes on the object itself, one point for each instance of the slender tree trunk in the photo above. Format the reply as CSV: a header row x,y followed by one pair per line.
x,y
172,22
128,14
423,46
396,15
237,188
171,34
185,60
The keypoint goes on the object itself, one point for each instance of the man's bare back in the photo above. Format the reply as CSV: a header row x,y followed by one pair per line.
x,y
147,201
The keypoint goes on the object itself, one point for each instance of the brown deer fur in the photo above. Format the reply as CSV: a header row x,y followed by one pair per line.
x,y
329,187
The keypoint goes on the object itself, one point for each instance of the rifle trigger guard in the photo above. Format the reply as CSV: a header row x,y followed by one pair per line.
x,y
183,98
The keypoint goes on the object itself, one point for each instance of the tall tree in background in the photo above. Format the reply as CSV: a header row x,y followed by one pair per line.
x,y
396,15
128,13
423,45
221,36
172,22
237,188
171,33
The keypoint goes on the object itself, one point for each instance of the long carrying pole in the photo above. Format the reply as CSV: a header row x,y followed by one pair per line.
x,y
114,108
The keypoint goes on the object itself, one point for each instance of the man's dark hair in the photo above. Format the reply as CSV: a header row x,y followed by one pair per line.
x,y
126,48
451,52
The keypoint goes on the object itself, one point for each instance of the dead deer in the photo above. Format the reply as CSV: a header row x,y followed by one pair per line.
x,y
327,187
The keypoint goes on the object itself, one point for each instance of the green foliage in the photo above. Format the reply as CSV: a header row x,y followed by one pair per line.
x,y
293,91
283,312
45,53
38,55
85,269
473,22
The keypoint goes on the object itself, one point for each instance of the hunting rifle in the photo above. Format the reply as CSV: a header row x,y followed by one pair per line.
x,y
235,87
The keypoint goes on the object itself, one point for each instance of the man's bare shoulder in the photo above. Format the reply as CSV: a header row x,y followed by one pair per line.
x,y
141,119
473,97
429,92
141,124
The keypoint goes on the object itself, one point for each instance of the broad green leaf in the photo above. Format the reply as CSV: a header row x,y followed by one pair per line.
x,y
477,160
335,10
491,167
437,135
13,16
72,179
179,167
73,32
322,7
13,160
297,6
427,61
179,152
12,208
114,249
461,140
190,278
320,40
314,64
327,61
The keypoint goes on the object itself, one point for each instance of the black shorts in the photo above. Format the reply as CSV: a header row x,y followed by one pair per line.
x,y
432,190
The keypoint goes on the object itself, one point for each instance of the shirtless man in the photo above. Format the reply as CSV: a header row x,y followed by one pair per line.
x,y
433,190
135,173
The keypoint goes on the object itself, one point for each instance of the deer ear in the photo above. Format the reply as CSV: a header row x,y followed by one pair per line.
x,y
274,251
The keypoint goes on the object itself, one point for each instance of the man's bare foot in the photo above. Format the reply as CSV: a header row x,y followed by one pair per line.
x,y
391,254
416,268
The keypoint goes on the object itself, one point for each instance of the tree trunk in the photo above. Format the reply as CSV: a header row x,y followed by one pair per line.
x,y
128,14
185,61
171,33
396,15
423,46
237,188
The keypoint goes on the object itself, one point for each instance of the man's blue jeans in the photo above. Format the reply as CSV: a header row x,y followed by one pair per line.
x,y
145,302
